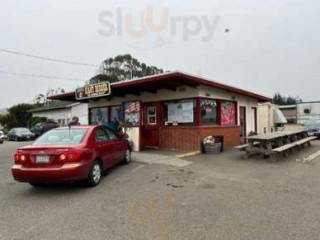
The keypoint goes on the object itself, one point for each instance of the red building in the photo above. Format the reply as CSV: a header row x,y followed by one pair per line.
x,y
175,110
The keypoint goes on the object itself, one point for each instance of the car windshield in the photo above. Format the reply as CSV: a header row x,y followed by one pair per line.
x,y
313,122
62,137
22,130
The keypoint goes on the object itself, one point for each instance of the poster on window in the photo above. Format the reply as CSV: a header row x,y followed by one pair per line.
x,y
99,116
130,107
228,113
132,113
173,113
182,112
116,114
208,111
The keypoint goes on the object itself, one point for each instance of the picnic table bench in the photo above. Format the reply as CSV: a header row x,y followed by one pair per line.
x,y
244,146
275,143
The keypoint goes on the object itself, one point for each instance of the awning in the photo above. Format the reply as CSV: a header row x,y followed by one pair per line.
x,y
169,81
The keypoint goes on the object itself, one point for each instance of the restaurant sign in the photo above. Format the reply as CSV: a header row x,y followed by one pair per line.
x,y
93,91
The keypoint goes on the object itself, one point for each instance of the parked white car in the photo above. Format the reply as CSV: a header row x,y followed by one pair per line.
x,y
1,136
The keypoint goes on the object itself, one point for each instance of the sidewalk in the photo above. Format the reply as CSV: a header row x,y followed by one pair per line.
x,y
160,157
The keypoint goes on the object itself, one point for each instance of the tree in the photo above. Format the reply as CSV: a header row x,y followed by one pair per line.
x,y
17,116
41,99
293,100
280,99
123,67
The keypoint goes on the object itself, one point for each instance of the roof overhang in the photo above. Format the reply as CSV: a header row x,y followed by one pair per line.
x,y
169,81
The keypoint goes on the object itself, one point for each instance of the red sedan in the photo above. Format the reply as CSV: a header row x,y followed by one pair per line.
x,y
70,154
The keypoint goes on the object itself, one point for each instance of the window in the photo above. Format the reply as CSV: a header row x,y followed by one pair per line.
x,y
152,115
99,116
62,137
208,110
101,135
182,112
111,134
228,113
116,113
132,113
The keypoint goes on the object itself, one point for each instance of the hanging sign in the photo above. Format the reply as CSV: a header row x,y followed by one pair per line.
x,y
93,91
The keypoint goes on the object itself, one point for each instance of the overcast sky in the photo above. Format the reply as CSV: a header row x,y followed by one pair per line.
x,y
272,46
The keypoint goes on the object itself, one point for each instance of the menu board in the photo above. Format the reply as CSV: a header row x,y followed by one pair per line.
x,y
180,112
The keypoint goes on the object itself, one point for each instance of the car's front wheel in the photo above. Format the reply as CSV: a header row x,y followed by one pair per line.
x,y
36,185
95,174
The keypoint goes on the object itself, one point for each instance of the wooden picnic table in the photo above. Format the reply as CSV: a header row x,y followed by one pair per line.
x,y
266,144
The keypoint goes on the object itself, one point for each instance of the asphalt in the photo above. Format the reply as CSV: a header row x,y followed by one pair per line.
x,y
217,197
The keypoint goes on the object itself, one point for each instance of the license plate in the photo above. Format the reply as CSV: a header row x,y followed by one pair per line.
x,y
42,159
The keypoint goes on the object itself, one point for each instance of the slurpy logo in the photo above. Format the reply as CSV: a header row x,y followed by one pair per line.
x,y
161,29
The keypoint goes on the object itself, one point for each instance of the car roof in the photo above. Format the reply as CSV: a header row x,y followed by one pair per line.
x,y
78,127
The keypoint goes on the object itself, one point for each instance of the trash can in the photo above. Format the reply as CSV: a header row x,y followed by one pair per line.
x,y
213,144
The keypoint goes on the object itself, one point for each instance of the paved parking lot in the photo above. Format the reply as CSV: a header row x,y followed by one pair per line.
x,y
216,197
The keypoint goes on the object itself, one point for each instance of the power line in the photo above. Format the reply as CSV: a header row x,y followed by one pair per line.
x,y
48,59
40,76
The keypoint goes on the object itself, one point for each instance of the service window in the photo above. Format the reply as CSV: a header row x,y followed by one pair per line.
x,y
116,113
208,110
99,116
181,112
132,113
152,115
228,113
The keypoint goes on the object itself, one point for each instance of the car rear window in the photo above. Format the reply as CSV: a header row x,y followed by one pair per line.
x,y
62,137
23,130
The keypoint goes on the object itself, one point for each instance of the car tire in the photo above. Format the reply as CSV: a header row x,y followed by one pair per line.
x,y
127,158
36,185
95,174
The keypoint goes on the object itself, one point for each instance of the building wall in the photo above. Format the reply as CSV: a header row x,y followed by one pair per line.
x,y
242,101
80,110
171,137
134,137
314,109
290,114
55,114
188,92
230,133
265,117
183,138
161,95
